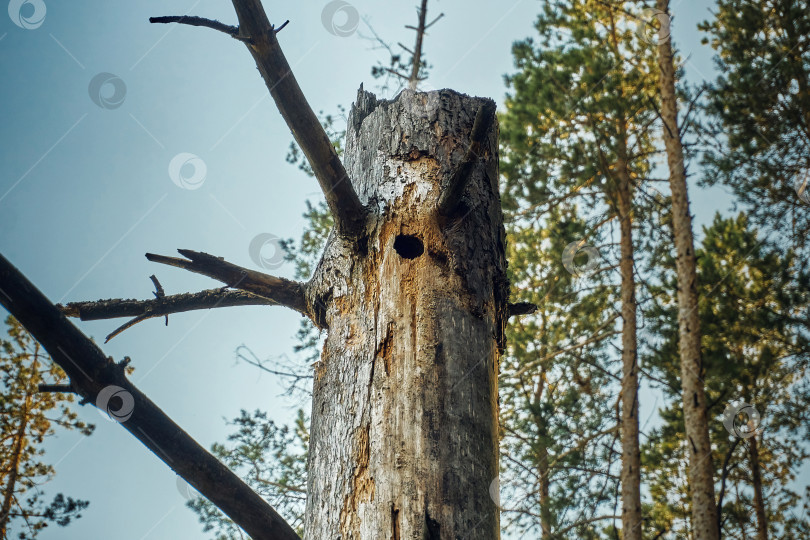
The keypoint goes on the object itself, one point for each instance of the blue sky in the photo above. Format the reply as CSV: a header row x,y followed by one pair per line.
x,y
85,191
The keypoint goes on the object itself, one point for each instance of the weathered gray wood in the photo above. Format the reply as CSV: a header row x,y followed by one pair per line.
x,y
404,415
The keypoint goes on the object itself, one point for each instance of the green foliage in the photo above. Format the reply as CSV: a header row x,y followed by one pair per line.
x,y
27,419
581,99
754,312
581,104
272,460
759,108
557,392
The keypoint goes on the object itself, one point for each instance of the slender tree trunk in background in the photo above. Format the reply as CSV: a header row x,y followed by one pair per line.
x,y
543,470
631,456
632,526
413,80
701,480
14,465
404,440
756,479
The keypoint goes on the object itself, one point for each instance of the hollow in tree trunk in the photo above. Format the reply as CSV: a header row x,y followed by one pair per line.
x,y
404,414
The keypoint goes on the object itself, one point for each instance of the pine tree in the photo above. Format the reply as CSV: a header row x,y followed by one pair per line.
x,y
754,309
576,134
272,459
701,482
27,418
759,108
559,435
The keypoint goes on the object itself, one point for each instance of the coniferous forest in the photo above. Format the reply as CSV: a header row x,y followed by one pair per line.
x,y
576,310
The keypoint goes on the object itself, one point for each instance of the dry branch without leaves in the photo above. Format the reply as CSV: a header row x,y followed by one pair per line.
x,y
90,372
260,38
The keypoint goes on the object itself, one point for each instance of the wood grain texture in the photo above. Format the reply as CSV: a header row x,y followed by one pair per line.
x,y
404,418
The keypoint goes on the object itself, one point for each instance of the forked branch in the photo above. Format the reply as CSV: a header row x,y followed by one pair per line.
x,y
260,38
162,306
279,290
92,375
157,307
451,196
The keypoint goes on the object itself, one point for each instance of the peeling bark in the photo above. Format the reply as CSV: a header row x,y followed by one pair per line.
x,y
404,415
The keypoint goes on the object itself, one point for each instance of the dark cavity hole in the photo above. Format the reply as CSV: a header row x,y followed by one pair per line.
x,y
408,246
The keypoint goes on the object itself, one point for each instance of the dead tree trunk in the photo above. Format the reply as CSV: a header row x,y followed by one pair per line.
x,y
412,289
404,415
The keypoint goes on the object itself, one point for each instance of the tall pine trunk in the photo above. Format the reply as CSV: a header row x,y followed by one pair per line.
x,y
631,455
404,438
756,480
701,480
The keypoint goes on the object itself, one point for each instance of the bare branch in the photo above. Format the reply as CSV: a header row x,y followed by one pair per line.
x,y
434,21
61,388
175,303
91,372
417,55
345,206
129,324
281,291
259,36
159,292
197,21
451,196
404,47
397,73
283,25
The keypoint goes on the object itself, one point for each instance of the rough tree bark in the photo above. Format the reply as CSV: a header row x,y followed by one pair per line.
x,y
701,479
756,480
631,455
404,415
